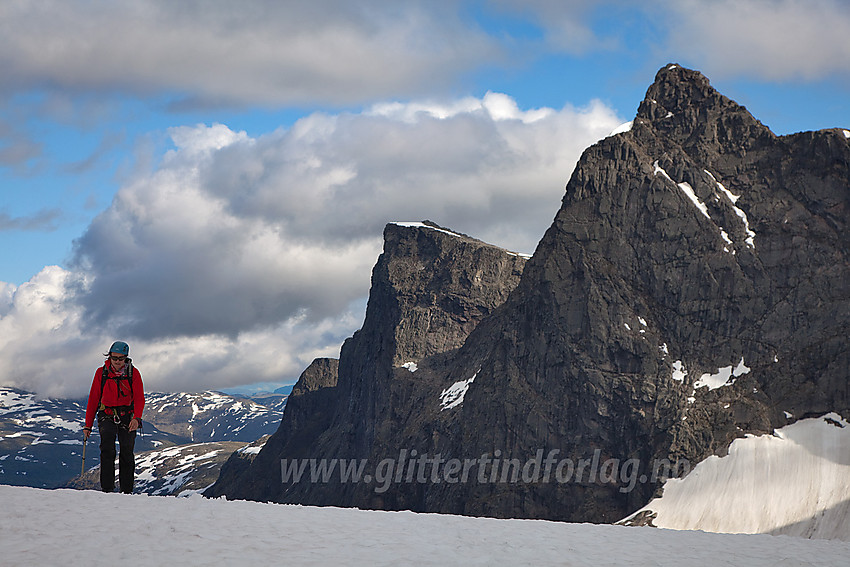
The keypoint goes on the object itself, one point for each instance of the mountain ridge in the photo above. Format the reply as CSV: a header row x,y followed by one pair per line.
x,y
692,289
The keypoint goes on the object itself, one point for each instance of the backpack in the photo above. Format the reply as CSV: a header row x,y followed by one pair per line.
x,y
128,375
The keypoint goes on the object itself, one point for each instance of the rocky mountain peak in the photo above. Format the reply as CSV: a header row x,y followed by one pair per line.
x,y
676,90
431,287
681,104
694,287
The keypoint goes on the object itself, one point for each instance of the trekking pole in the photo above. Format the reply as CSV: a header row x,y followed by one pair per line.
x,y
85,442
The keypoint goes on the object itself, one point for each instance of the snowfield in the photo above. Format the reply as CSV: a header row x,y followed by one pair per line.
x,y
69,527
795,482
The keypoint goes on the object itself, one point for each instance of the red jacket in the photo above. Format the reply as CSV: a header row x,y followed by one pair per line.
x,y
113,398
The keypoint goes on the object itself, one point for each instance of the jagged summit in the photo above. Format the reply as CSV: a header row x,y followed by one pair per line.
x,y
683,105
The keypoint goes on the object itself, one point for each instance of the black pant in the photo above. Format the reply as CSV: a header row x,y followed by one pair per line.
x,y
109,430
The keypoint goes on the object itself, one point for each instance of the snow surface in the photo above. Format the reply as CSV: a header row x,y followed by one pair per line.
x,y
741,214
724,377
411,366
251,450
688,190
795,482
68,527
624,127
423,225
679,372
11,401
453,396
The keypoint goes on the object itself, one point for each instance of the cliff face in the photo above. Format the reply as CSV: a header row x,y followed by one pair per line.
x,y
695,250
430,289
694,287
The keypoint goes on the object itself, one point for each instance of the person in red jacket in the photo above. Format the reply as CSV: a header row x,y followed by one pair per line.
x,y
117,397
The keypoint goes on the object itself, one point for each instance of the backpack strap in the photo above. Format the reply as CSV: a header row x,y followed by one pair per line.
x,y
128,371
129,368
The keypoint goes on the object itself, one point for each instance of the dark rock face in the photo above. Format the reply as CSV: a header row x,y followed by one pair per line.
x,y
309,410
694,287
430,288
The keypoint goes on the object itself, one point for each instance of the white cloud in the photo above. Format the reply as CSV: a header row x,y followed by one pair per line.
x,y
342,53
47,347
265,52
40,333
239,259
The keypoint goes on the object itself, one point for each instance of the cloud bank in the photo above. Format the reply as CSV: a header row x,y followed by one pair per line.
x,y
256,52
240,259
343,53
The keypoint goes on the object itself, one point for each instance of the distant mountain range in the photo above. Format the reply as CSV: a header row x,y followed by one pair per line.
x,y
184,439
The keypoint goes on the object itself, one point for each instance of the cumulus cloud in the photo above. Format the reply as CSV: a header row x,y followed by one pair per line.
x,y
40,333
240,258
234,233
46,346
259,51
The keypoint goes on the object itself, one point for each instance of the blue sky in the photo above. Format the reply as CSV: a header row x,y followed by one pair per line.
x,y
211,178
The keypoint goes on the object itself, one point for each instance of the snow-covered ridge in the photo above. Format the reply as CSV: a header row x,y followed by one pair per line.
x,y
204,402
211,415
450,233
624,127
423,225
29,413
